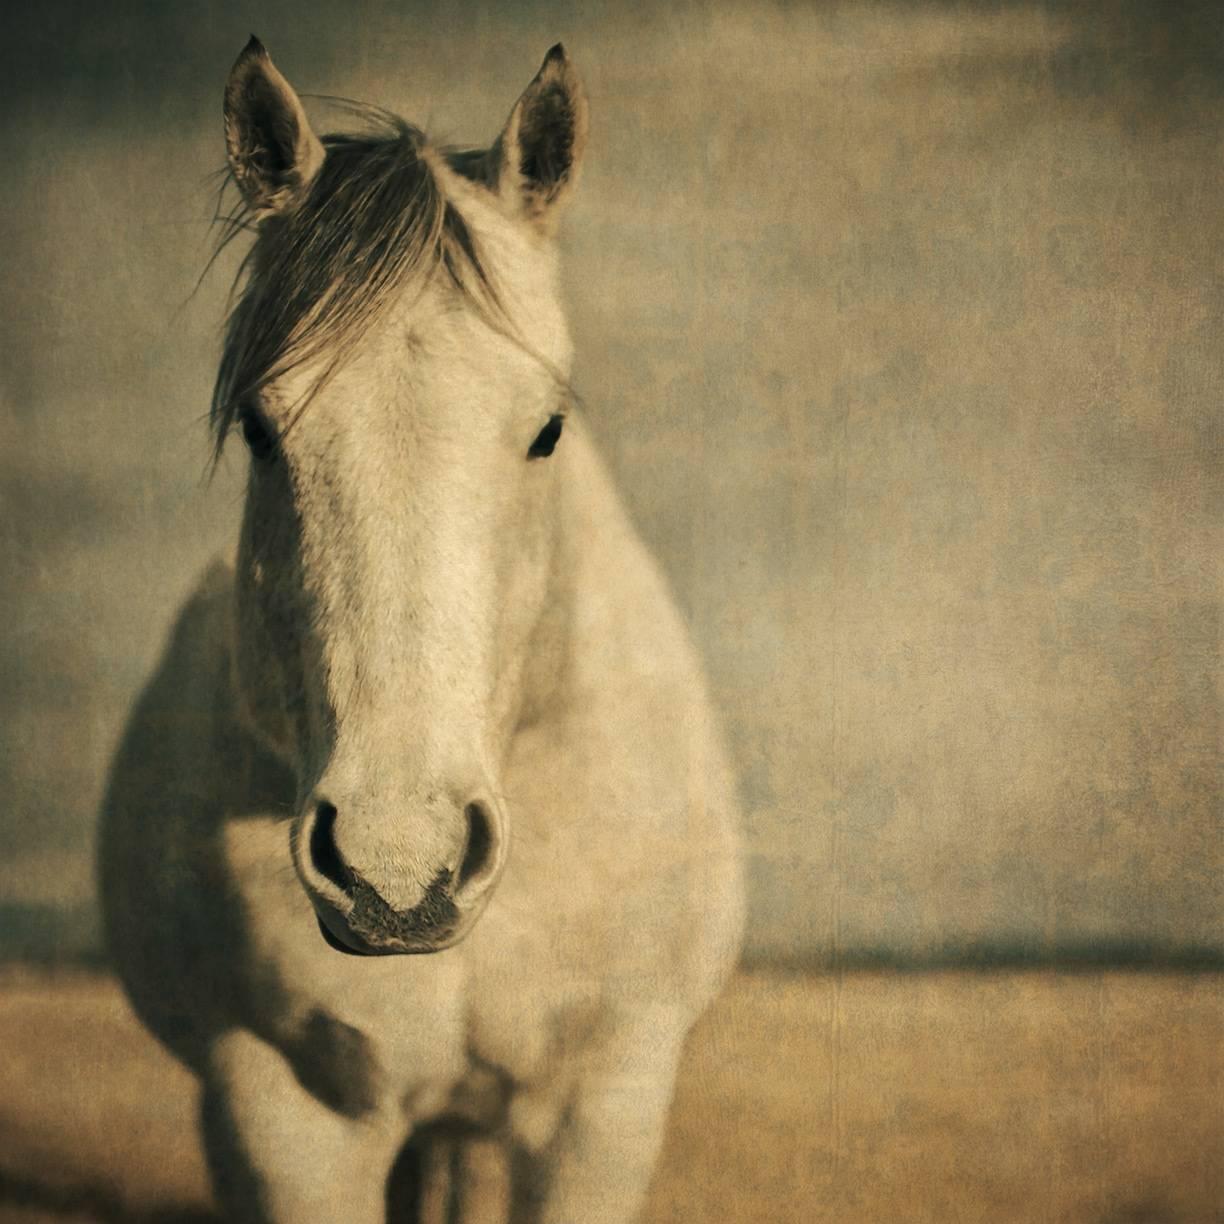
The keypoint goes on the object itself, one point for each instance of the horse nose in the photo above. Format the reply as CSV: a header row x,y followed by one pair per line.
x,y
324,854
402,912
477,863
482,849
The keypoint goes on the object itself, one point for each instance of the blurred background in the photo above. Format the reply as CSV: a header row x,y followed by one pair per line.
x,y
900,326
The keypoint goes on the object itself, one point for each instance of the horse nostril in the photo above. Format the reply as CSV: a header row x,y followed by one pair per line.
x,y
478,853
323,852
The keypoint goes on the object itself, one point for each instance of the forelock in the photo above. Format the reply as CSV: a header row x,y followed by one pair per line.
x,y
375,227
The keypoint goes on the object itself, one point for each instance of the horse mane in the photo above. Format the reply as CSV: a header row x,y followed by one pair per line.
x,y
376,224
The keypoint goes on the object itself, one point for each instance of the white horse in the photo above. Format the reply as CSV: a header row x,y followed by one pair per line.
x,y
441,703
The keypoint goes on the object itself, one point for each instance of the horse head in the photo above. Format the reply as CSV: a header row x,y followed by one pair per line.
x,y
398,365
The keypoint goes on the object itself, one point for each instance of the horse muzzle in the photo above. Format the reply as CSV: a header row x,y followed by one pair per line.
x,y
355,916
373,928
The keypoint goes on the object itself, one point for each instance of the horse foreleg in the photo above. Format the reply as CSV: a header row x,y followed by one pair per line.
x,y
465,1180
483,1170
277,1154
598,1168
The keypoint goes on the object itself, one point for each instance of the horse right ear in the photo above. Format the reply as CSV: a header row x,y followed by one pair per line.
x,y
273,152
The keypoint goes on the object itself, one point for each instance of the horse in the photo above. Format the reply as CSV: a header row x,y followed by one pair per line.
x,y
420,847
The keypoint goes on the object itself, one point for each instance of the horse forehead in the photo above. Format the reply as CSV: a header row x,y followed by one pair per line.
x,y
422,359
428,341
524,269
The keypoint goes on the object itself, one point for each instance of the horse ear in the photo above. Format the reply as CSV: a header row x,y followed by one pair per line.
x,y
538,152
273,152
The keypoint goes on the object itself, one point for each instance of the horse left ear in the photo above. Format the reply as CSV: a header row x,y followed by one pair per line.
x,y
537,155
273,151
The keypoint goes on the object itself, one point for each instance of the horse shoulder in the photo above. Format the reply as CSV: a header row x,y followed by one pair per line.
x,y
165,757
161,862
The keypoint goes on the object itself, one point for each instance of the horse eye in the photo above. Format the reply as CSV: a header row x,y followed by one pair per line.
x,y
546,439
260,439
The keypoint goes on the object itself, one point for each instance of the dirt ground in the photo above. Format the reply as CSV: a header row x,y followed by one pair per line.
x,y
869,1097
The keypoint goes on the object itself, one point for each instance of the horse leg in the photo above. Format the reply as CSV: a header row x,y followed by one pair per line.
x,y
277,1154
465,1180
597,1169
482,1172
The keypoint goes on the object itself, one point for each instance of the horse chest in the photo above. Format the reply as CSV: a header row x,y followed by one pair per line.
x,y
425,1035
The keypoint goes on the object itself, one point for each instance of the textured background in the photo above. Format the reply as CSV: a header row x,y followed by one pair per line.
x,y
901,328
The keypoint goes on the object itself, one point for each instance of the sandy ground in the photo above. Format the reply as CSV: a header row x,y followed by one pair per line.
x,y
945,1097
